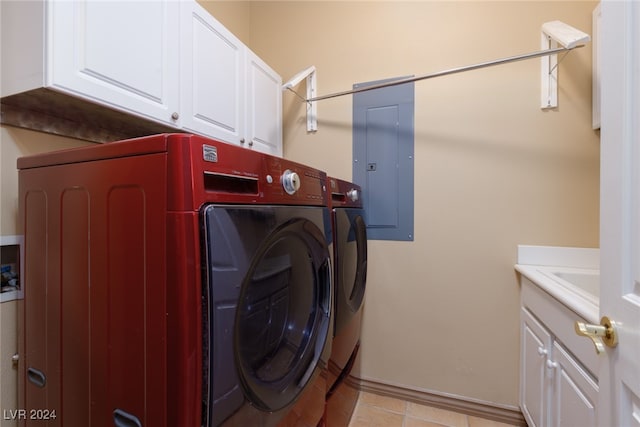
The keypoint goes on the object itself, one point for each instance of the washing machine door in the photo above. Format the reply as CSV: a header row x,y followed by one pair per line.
x,y
268,304
351,262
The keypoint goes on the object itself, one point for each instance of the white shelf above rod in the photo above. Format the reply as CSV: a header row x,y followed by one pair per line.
x,y
312,107
554,34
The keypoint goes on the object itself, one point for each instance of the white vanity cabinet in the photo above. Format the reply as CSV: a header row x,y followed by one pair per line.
x,y
557,387
227,91
122,55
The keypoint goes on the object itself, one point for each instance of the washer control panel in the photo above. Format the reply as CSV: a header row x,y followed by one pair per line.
x,y
234,174
290,181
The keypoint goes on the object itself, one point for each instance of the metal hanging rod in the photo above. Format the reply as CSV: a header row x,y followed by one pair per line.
x,y
447,72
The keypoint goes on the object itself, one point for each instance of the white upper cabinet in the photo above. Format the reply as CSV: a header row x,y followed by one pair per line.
x,y
119,54
227,91
164,60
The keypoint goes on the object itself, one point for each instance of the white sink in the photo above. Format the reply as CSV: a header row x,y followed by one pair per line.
x,y
570,275
584,282
589,282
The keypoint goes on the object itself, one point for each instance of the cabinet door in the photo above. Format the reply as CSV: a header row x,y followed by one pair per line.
x,y
264,106
122,54
575,392
213,77
535,387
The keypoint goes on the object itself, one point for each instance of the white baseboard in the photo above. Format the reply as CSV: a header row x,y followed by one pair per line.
x,y
504,414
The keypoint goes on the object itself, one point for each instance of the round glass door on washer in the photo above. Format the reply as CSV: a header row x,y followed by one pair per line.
x,y
266,309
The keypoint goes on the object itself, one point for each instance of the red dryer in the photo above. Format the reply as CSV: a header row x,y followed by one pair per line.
x,y
174,281
350,277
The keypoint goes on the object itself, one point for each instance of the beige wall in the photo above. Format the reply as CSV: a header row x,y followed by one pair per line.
x,y
491,170
8,371
15,143
235,16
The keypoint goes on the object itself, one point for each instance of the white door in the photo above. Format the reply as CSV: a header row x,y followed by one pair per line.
x,y
118,53
619,376
212,76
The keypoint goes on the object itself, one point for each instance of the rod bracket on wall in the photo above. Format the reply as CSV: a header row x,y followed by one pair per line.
x,y
555,34
312,106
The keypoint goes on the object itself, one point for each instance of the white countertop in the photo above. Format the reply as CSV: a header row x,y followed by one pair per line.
x,y
567,274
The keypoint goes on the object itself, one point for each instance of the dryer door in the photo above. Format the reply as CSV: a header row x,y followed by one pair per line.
x,y
269,303
351,262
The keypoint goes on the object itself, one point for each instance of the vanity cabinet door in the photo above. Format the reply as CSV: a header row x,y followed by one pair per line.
x,y
575,392
556,388
120,54
536,383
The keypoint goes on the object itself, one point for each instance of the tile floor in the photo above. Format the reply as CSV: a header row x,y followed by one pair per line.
x,y
373,410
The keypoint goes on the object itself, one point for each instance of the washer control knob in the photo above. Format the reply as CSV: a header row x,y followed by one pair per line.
x,y
353,195
290,181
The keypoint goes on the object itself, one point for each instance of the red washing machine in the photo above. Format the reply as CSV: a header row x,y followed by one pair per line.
x,y
174,281
350,277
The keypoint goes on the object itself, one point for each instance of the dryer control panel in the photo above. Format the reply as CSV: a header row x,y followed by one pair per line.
x,y
344,193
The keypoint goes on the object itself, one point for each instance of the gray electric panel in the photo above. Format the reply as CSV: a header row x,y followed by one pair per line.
x,y
383,134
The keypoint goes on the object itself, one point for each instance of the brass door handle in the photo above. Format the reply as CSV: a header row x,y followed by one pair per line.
x,y
604,333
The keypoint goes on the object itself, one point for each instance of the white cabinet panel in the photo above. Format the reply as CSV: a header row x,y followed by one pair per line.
x,y
123,54
264,102
213,76
534,396
227,91
575,392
